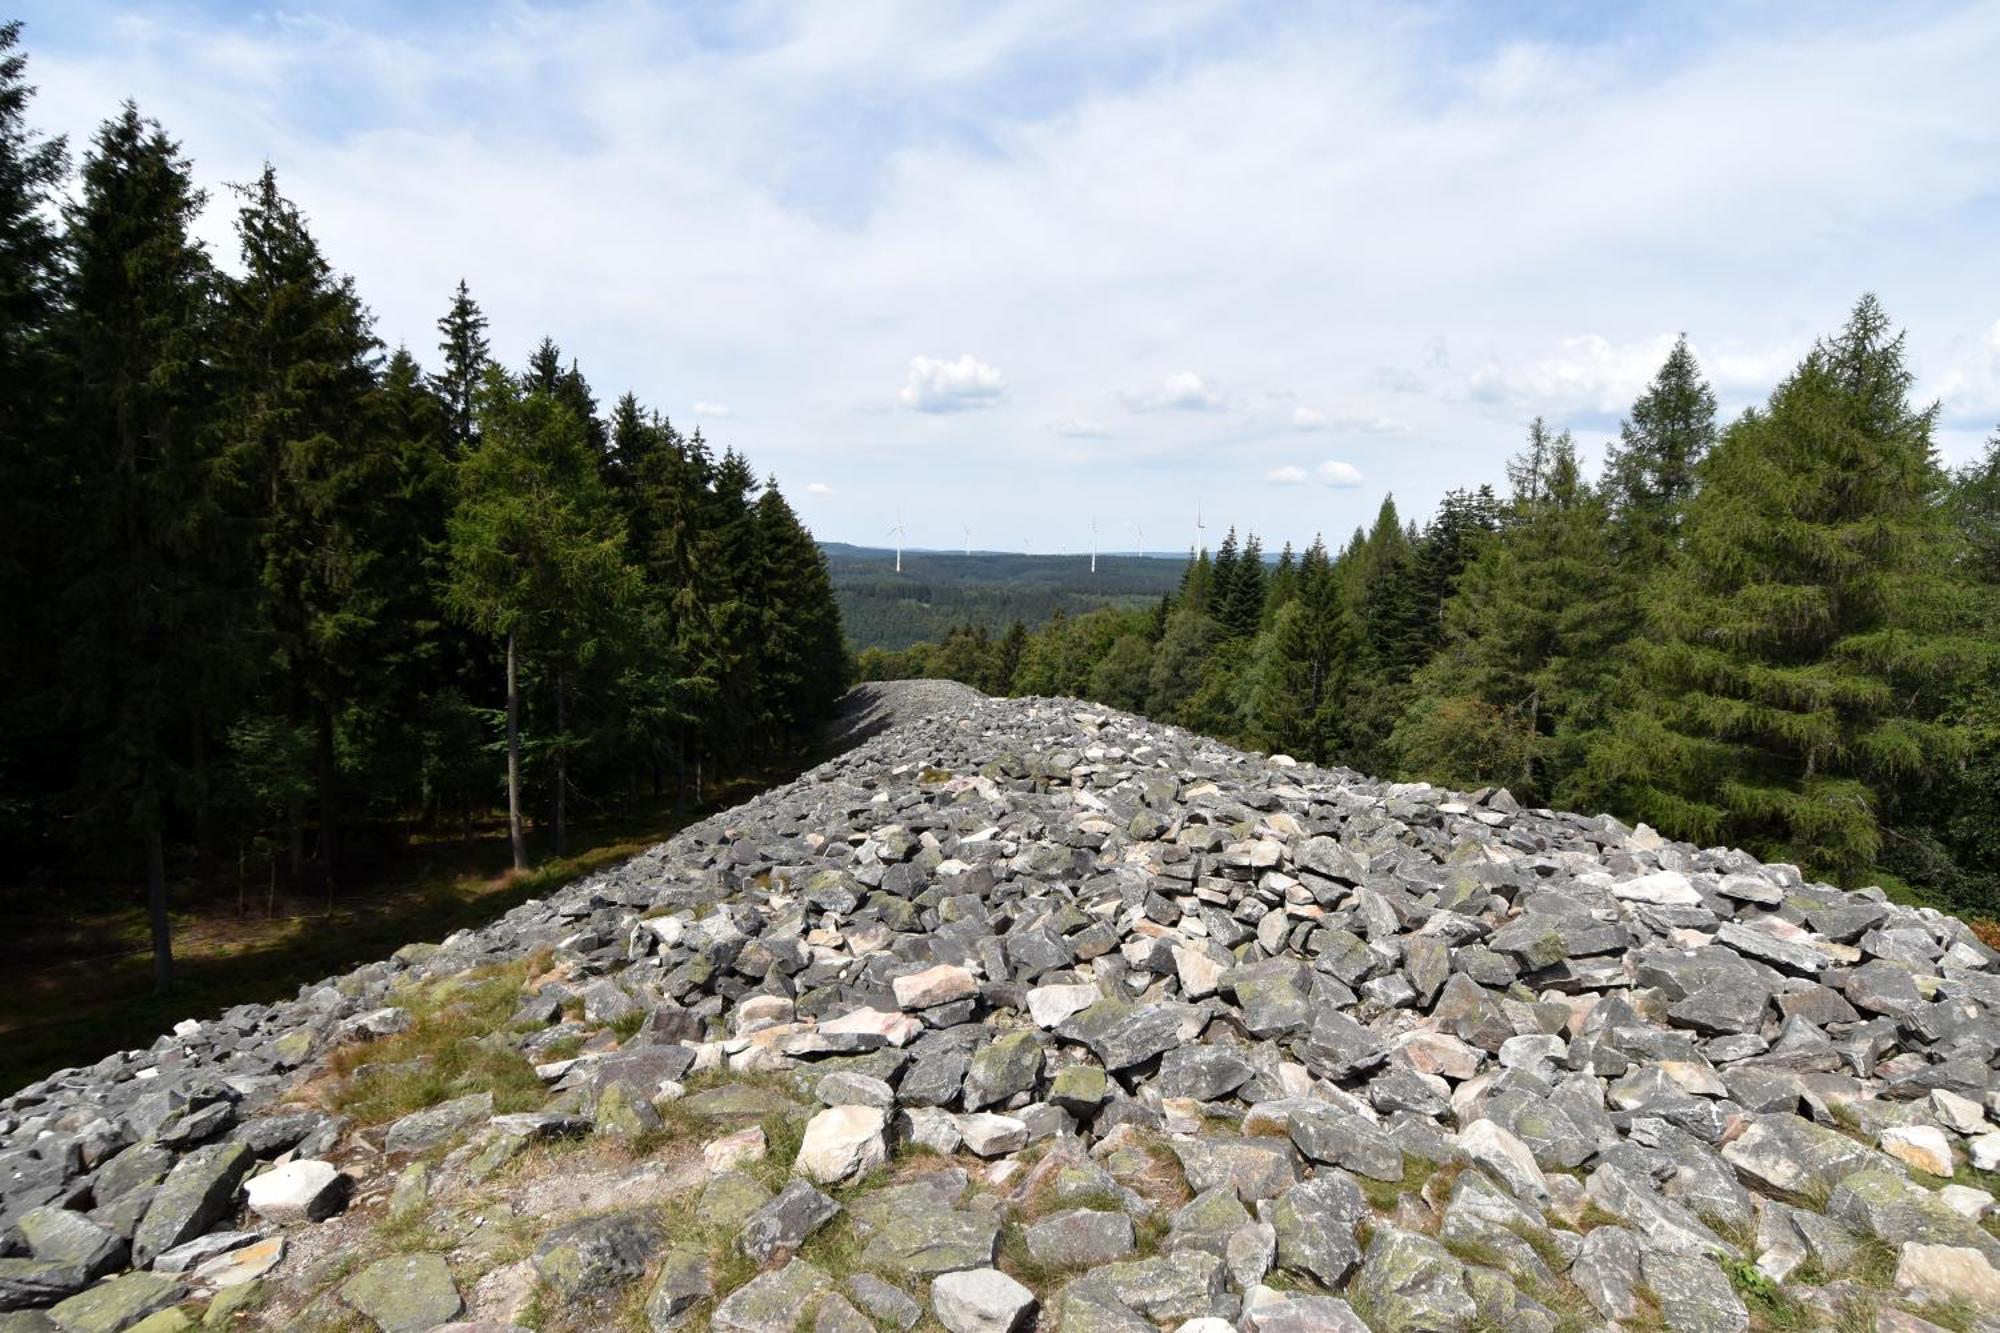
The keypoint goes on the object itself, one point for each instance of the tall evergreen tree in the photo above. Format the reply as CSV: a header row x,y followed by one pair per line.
x,y
465,356
537,551
299,362
1528,644
35,490
1650,473
1808,640
148,606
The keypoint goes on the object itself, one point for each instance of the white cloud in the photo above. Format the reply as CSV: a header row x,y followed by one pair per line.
x,y
818,488
1183,391
1308,418
711,409
1970,385
936,385
1288,475
1340,476
1079,428
842,186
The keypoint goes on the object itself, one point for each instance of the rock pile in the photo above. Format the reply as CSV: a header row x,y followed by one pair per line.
x,y
1026,1014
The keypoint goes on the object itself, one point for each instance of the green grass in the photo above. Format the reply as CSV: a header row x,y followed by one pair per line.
x,y
441,1055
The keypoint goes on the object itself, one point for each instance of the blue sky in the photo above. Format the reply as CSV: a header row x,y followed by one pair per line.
x,y
1017,266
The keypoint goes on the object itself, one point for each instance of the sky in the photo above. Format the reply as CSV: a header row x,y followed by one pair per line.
x,y
1011,269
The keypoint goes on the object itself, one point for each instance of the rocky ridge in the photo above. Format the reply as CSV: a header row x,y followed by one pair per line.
x,y
1028,1014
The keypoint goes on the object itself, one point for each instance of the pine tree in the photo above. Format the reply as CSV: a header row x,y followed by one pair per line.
x,y
466,354
803,661
1812,633
1395,635
148,607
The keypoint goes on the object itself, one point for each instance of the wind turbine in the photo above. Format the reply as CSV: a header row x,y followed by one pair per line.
x,y
1198,528
968,539
1093,543
897,533
1142,538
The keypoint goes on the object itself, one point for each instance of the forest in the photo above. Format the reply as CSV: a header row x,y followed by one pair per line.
x,y
1776,632
939,591
268,586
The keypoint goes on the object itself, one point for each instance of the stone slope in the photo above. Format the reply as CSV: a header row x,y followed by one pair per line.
x,y
1025,1013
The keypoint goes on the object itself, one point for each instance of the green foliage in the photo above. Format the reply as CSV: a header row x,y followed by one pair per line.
x,y
1811,637
266,579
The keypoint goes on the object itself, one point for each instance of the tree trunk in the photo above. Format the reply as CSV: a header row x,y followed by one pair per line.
x,y
295,835
204,836
514,834
562,767
156,902
329,779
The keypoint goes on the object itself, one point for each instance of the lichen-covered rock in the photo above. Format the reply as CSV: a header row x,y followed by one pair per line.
x,y
406,1293
1412,1284
117,1304
595,1255
199,1192
771,1302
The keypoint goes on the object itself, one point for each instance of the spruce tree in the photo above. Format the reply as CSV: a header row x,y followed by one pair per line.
x,y
1649,474
465,356
35,493
1528,645
150,645
299,360
537,552
1814,629
1302,666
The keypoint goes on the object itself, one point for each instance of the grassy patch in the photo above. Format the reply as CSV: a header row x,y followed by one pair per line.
x,y
1771,1307
1958,1314
447,1052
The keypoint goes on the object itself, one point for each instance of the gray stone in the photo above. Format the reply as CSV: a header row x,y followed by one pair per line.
x,y
1695,1295
199,1192
1079,1238
981,1300
771,1302
595,1255
58,1236
118,1303
1316,1224
420,1131
406,1293
924,1242
783,1224
1412,1284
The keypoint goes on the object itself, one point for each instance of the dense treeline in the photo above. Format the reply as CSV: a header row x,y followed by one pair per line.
x,y
1777,633
939,591
265,585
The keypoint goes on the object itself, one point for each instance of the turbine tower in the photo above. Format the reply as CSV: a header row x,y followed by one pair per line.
x,y
897,533
1093,543
1198,528
1142,538
968,539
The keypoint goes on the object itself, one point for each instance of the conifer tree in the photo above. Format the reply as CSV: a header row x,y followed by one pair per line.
x,y
465,357
537,551
1810,637
1528,645
1302,665
1649,474
1240,602
148,604
35,495
299,362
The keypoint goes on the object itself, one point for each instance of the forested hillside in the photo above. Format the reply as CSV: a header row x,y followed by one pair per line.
x,y
1775,633
264,581
939,591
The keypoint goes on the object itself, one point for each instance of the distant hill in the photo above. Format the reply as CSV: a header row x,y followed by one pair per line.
x,y
880,608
